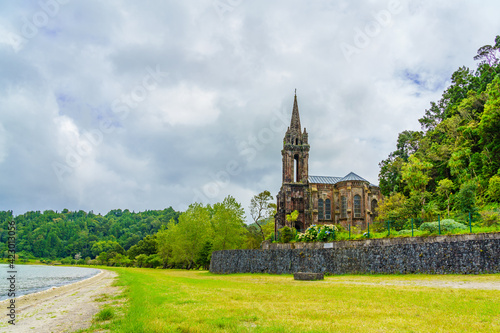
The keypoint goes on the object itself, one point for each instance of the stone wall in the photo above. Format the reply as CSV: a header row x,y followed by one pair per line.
x,y
457,254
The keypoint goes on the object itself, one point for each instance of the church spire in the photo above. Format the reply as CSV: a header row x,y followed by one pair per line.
x,y
295,123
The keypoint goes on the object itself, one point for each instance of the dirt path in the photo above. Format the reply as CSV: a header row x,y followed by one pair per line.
x,y
494,285
64,309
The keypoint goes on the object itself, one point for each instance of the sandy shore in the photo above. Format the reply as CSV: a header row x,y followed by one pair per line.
x,y
63,309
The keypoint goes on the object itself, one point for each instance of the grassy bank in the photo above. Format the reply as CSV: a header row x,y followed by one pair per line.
x,y
196,301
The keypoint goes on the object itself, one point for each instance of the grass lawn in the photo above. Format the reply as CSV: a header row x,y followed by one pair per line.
x,y
197,301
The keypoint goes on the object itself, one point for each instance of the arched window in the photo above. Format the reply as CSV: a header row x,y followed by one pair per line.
x,y
320,209
328,209
296,167
357,206
343,208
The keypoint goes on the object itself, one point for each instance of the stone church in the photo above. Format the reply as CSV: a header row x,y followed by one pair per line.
x,y
348,200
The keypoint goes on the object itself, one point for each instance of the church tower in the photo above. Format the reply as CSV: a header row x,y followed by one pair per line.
x,y
295,158
295,151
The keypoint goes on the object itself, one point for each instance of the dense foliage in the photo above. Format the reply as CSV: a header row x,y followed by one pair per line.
x,y
57,235
452,166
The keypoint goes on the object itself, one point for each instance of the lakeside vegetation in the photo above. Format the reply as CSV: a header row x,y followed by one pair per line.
x,y
197,301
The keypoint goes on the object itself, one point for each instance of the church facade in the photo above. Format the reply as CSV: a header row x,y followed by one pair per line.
x,y
348,200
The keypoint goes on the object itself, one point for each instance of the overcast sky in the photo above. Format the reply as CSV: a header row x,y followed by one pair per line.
x,y
150,104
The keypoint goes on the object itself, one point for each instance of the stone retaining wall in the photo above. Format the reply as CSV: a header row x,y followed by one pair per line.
x,y
455,254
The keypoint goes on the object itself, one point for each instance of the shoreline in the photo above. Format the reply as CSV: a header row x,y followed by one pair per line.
x,y
53,287
65,308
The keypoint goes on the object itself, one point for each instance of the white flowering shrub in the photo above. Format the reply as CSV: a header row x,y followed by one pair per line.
x,y
318,233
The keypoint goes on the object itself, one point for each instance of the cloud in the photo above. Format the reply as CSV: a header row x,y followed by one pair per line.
x,y
78,93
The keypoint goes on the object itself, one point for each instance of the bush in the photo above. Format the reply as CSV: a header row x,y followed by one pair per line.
x,y
446,225
318,233
490,218
153,261
287,234
494,188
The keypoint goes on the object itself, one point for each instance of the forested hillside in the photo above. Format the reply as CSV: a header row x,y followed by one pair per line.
x,y
146,239
452,166
58,235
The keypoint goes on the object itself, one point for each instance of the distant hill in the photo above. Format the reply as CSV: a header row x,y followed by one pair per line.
x,y
57,235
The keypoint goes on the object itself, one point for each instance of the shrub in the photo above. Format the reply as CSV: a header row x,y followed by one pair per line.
x,y
446,225
318,233
153,261
286,234
490,218
494,188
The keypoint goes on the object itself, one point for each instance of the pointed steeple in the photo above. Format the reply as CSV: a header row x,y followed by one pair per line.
x,y
295,123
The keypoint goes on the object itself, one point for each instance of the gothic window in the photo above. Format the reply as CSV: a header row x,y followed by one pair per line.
x,y
320,209
328,209
357,206
296,164
343,209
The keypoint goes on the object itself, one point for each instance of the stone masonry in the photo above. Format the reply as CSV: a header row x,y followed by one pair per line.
x,y
455,254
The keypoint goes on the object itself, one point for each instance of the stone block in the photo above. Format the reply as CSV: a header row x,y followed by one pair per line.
x,y
308,276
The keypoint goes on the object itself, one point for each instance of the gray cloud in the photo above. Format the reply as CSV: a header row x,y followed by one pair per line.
x,y
84,125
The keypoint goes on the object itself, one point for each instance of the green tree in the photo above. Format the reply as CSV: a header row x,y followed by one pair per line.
x,y
466,198
395,207
228,226
494,188
415,174
190,234
489,129
292,217
165,241
262,208
445,186
147,246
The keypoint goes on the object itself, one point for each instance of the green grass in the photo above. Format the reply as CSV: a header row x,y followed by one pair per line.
x,y
105,314
197,301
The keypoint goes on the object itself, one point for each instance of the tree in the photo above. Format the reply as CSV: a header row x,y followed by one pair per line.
x,y
228,226
147,246
393,208
414,172
488,54
445,186
494,188
489,129
106,246
190,234
262,208
164,242
466,198
292,217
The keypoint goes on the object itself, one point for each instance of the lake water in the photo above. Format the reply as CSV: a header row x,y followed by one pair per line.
x,y
35,278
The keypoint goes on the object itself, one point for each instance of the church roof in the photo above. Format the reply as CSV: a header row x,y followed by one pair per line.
x,y
324,179
334,180
353,176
